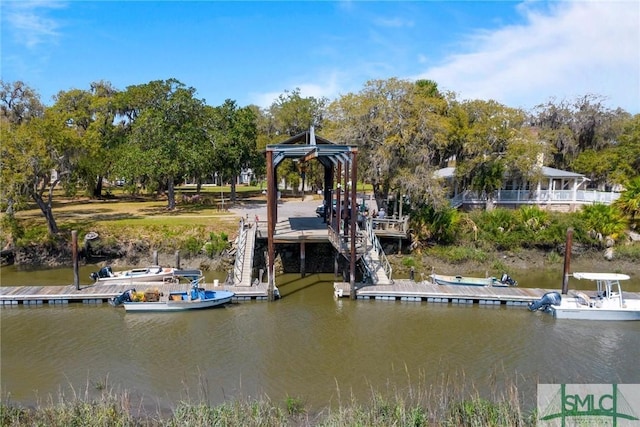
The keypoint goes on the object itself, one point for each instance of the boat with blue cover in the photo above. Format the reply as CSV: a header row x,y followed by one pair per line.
x,y
193,299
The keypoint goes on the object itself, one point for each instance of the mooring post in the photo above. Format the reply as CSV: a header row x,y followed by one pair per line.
x,y
155,258
178,260
74,255
567,261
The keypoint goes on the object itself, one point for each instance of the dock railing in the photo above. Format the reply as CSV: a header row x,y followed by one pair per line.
x,y
343,243
392,224
377,247
524,197
240,250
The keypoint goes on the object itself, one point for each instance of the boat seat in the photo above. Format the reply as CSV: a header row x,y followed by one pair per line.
x,y
583,299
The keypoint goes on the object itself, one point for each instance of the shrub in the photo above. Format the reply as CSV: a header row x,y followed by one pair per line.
x,y
217,244
439,225
192,245
499,226
533,218
458,254
604,220
408,262
11,227
628,252
295,406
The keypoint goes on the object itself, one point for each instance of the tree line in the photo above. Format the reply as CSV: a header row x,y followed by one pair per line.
x,y
158,134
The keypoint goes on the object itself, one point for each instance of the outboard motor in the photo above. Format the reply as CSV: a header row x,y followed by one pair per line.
x,y
507,280
550,298
102,273
126,296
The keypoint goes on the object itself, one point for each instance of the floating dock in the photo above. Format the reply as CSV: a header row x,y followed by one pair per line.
x,y
101,293
400,290
426,291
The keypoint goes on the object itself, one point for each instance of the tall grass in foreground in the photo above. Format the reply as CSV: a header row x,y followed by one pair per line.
x,y
452,402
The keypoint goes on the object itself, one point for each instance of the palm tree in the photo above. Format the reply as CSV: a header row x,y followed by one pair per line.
x,y
629,202
604,221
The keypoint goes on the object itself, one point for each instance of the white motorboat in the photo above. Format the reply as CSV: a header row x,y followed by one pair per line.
x,y
153,300
154,273
504,281
608,302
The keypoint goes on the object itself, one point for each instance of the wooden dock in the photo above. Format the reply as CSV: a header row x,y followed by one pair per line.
x,y
408,290
101,293
400,290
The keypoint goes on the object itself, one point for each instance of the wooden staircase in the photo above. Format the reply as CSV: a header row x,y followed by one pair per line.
x,y
369,253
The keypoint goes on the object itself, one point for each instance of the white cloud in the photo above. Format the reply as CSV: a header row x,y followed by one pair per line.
x,y
577,48
28,23
393,22
327,86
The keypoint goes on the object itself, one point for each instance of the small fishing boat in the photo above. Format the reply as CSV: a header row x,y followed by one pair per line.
x,y
504,281
194,299
154,273
607,303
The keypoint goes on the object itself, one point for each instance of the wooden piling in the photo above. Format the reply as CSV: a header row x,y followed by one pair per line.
x,y
353,220
155,258
567,261
178,259
272,207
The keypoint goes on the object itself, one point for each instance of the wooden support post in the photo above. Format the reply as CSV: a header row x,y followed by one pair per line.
x,y
302,256
74,254
155,258
178,260
338,204
354,219
328,194
567,261
271,225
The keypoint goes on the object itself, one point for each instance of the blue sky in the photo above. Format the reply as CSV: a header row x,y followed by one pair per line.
x,y
518,53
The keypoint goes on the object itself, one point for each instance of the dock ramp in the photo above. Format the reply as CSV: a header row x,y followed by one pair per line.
x,y
374,260
369,253
243,265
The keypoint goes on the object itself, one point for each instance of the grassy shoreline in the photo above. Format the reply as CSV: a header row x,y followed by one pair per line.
x,y
451,403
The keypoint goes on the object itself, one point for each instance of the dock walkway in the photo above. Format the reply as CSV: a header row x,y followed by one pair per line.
x,y
101,293
400,290
408,290
243,265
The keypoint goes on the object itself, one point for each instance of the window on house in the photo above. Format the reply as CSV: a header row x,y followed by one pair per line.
x,y
508,185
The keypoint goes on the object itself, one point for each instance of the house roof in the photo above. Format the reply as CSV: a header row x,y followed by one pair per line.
x,y
450,172
557,173
306,146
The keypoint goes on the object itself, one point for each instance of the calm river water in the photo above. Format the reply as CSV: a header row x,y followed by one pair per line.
x,y
306,345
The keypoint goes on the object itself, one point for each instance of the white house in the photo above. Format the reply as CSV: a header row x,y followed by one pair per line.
x,y
557,190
